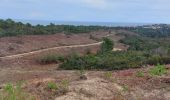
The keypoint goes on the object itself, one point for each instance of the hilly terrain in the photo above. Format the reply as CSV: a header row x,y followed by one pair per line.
x,y
62,62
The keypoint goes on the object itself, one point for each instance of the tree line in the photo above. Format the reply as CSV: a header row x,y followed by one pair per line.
x,y
11,28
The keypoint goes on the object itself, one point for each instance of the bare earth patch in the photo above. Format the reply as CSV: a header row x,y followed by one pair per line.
x,y
120,86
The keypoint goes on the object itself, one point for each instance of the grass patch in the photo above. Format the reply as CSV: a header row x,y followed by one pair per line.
x,y
140,74
60,88
108,75
158,70
52,86
11,92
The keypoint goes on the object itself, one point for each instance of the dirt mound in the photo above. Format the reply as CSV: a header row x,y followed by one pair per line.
x,y
92,89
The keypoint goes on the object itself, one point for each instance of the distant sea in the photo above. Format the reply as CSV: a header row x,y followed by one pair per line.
x,y
77,23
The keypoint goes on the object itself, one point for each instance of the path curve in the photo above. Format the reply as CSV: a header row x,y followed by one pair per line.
x,y
53,48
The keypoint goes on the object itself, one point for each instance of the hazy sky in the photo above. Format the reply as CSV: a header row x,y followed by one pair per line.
x,y
151,11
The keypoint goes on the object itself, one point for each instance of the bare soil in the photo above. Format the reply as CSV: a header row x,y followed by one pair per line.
x,y
21,44
28,43
122,85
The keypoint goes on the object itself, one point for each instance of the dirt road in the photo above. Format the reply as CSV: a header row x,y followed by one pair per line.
x,y
42,50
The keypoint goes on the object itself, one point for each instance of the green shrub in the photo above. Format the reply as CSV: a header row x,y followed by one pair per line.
x,y
11,92
106,61
155,59
165,60
47,59
108,75
107,45
113,60
158,70
52,86
140,74
59,88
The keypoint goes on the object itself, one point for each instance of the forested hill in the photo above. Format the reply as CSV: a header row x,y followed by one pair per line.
x,y
11,28
156,30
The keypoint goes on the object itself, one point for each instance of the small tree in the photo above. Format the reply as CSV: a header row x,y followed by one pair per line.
x,y
107,45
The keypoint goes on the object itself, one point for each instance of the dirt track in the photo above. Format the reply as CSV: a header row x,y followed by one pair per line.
x,y
38,51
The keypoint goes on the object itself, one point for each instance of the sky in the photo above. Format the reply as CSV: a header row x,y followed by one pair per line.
x,y
130,11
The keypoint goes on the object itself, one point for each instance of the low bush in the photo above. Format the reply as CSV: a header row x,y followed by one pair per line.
x,y
108,75
158,70
140,74
11,92
52,86
156,59
47,59
108,61
59,88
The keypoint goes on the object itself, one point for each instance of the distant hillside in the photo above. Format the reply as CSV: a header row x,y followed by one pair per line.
x,y
156,30
11,28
